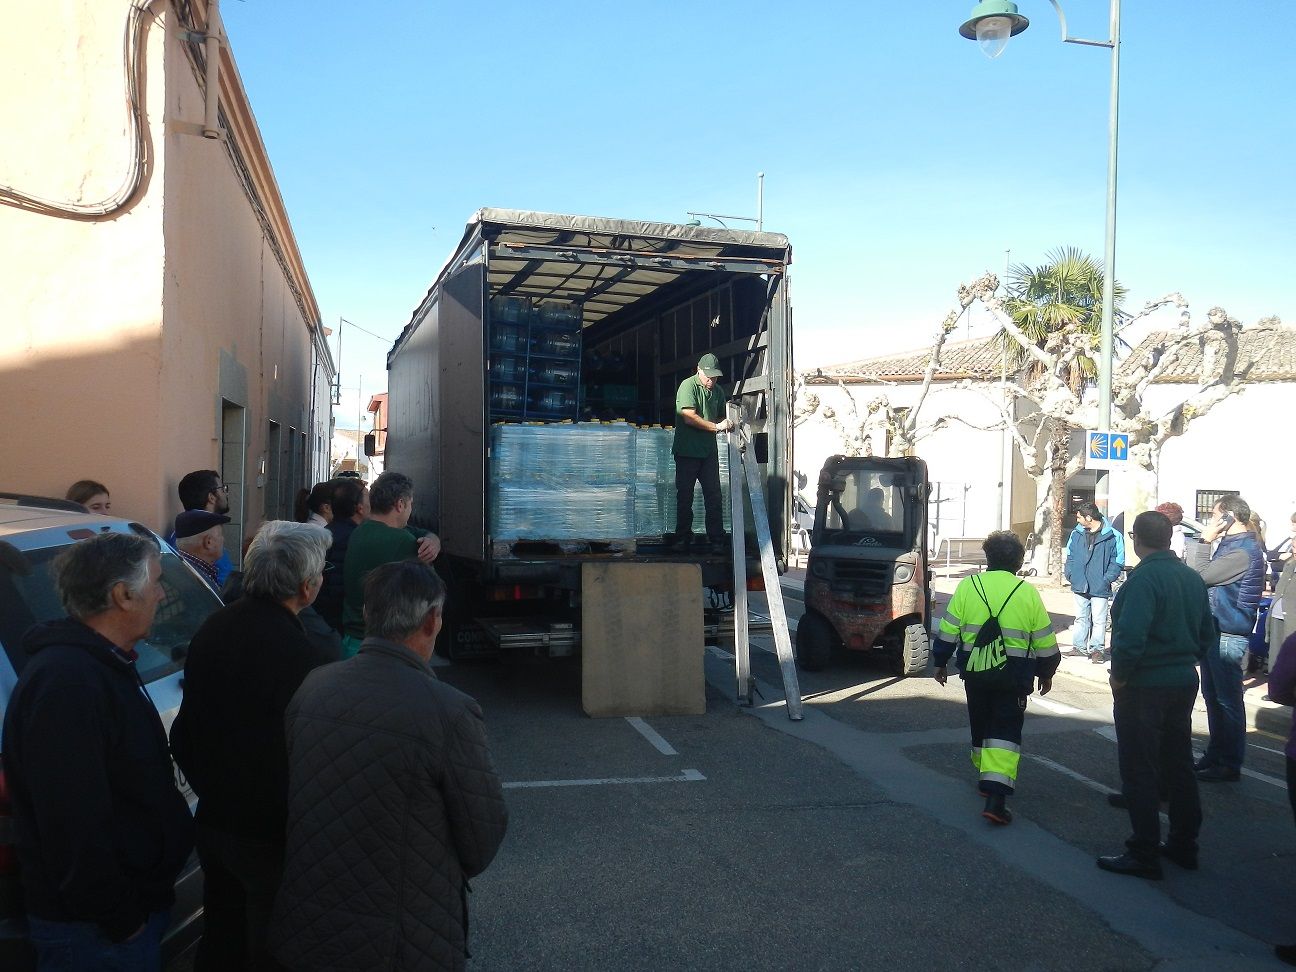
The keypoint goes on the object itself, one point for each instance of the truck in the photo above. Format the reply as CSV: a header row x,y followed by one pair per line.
x,y
541,364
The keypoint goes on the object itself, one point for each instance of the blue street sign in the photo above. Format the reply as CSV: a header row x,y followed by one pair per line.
x,y
1106,450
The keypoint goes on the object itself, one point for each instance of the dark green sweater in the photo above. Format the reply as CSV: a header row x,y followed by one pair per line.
x,y
1161,624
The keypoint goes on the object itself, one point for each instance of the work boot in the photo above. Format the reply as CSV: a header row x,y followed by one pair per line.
x,y
995,810
1098,657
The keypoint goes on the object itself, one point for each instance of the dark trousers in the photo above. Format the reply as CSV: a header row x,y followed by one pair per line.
x,y
996,718
1154,747
240,880
1291,784
690,470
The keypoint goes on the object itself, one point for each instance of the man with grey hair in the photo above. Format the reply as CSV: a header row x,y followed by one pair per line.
x,y
100,827
383,756
244,665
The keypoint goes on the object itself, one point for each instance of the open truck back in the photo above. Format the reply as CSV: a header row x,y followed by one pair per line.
x,y
529,397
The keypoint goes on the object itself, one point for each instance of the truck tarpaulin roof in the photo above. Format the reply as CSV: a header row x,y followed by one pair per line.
x,y
605,264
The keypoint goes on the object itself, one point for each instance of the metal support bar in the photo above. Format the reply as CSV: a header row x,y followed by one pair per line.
x,y
642,261
740,442
738,527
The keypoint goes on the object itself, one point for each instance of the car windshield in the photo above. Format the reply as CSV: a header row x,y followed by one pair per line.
x,y
871,504
27,595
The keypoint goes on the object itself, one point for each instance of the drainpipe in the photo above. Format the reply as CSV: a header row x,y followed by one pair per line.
x,y
212,43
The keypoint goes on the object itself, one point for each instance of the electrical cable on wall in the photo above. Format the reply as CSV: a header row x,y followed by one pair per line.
x,y
136,28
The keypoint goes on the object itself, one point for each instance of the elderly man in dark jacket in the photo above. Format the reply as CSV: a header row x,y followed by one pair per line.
x,y
1162,627
393,802
102,831
244,665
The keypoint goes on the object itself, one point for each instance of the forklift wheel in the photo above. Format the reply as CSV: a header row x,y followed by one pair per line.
x,y
814,642
914,652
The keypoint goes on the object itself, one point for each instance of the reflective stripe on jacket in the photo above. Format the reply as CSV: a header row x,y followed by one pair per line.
x,y
1027,630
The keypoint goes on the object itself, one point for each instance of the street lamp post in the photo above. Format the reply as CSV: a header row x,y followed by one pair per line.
x,y
992,24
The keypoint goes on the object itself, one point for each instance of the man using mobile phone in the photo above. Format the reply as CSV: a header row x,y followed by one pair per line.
x,y
1235,576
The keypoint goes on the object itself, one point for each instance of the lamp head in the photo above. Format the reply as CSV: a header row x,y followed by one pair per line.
x,y
991,24
694,222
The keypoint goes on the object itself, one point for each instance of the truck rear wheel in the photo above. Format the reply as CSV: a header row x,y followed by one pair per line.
x,y
815,641
915,651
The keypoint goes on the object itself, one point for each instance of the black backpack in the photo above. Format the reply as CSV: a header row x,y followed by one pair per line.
x,y
985,664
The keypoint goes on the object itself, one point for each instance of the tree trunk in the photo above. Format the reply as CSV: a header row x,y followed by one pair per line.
x,y
1059,444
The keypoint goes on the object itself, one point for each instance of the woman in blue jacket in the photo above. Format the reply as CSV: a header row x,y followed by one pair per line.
x,y
1095,557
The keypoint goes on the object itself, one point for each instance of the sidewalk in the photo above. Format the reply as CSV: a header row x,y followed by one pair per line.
x,y
1268,717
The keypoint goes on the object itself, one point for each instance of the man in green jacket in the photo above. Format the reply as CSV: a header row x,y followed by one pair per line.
x,y
381,539
699,417
1161,628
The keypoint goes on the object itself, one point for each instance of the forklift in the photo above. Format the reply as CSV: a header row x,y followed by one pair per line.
x,y
868,586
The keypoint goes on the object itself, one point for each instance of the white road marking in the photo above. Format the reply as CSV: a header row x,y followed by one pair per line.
x,y
652,735
1079,777
1271,780
685,776
1058,707
1109,732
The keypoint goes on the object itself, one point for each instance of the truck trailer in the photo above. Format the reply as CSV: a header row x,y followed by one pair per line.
x,y
531,396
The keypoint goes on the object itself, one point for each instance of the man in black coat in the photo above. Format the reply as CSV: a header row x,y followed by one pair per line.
x,y
244,665
102,832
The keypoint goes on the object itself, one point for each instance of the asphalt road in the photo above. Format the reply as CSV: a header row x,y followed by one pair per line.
x,y
738,839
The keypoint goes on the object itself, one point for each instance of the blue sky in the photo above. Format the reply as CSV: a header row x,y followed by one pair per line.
x,y
898,159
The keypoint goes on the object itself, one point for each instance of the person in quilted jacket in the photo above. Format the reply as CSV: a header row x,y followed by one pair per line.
x,y
393,801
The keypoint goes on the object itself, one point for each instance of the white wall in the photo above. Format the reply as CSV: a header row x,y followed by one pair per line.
x,y
1244,443
963,460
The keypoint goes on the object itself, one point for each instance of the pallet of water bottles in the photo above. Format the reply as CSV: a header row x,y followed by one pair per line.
x,y
594,486
535,356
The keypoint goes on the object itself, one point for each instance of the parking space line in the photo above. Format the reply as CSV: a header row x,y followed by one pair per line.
x,y
684,776
652,735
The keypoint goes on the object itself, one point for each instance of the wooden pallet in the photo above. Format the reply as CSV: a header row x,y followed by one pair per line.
x,y
542,549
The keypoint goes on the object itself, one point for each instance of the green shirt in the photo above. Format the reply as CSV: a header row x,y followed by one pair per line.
x,y
372,544
1161,624
708,403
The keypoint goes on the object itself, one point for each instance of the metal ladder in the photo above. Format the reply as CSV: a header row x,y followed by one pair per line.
x,y
740,458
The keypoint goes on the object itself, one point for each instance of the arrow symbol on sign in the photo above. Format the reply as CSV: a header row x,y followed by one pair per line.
x,y
1118,446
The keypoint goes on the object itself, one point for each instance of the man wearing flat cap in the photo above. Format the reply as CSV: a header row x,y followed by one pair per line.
x,y
200,541
699,417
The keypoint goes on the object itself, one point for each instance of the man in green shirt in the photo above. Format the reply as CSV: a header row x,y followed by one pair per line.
x,y
699,416
382,538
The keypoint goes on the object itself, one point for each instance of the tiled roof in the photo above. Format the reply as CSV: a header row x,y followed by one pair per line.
x,y
1269,355
1272,355
975,358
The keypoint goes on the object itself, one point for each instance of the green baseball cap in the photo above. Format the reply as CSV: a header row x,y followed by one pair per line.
x,y
709,365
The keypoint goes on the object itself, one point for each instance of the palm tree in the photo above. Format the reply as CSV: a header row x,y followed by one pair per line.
x,y
1058,307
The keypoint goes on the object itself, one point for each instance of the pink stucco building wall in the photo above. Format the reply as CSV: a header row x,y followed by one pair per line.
x,y
178,332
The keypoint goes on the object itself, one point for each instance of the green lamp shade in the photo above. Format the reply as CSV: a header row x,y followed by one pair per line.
x,y
991,24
